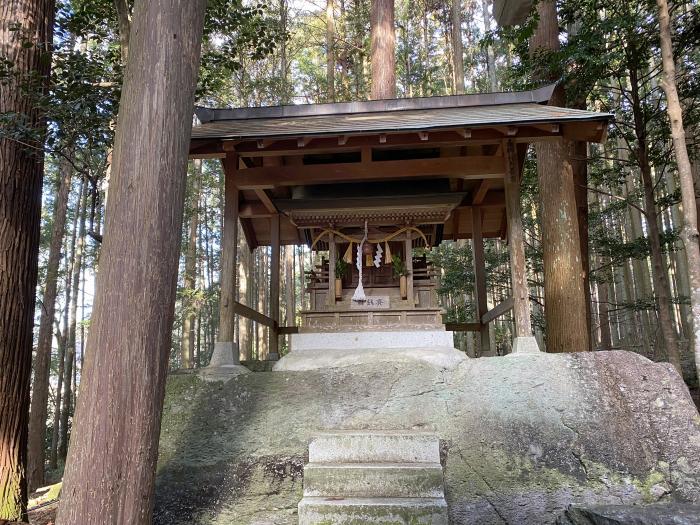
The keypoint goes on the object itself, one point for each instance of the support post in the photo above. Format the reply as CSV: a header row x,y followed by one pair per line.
x,y
225,349
332,256
409,268
524,341
480,278
273,354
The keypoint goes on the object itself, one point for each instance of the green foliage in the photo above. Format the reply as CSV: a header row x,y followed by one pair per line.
x,y
398,267
341,268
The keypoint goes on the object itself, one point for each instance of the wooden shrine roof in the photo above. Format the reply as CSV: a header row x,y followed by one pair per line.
x,y
455,143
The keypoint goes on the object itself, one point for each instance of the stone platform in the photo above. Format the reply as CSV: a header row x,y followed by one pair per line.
x,y
522,437
313,350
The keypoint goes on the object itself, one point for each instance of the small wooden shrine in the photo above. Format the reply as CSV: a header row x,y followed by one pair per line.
x,y
372,184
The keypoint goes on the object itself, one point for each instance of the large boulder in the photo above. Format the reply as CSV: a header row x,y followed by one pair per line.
x,y
522,437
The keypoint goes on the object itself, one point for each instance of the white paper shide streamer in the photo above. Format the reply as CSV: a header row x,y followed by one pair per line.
x,y
359,295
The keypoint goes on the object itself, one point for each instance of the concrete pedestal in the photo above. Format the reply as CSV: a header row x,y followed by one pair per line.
x,y
224,364
525,345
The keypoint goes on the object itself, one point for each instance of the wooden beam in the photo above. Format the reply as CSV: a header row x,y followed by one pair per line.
x,y
480,277
286,330
266,201
497,311
481,192
470,167
254,315
229,244
516,244
253,210
274,284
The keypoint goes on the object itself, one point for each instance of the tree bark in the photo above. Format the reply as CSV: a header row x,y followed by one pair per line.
x,y
457,47
330,49
383,49
490,55
21,173
110,471
72,321
567,327
689,232
188,323
36,452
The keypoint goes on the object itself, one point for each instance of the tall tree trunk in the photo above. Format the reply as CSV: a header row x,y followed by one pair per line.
x,y
72,320
36,451
55,434
21,173
689,232
567,327
658,270
457,47
383,49
188,323
284,69
117,421
490,55
330,49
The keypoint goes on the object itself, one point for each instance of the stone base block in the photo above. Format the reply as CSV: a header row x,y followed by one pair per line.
x,y
372,339
375,446
525,345
388,511
225,354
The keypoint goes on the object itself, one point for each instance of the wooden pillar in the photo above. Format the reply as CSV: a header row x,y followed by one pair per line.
x,y
516,243
480,278
274,285
229,244
409,268
332,256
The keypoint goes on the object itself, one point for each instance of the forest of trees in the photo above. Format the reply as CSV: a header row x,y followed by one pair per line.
x,y
62,124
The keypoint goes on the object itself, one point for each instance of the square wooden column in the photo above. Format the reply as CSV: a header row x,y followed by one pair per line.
x,y
524,342
409,268
480,279
225,349
332,256
274,286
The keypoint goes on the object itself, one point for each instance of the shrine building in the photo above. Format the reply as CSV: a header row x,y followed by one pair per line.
x,y
369,185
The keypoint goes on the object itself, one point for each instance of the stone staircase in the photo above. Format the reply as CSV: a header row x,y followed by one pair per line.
x,y
385,477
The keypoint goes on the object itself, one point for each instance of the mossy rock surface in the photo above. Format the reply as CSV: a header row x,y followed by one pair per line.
x,y
522,437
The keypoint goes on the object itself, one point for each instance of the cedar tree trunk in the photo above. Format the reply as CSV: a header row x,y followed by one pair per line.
x,y
36,452
21,173
110,471
567,324
383,52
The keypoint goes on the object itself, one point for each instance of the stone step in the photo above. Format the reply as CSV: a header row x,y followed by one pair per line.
x,y
355,446
384,511
382,480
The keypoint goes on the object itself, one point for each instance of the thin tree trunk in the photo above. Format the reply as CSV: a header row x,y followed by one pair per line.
x,y
289,290
124,18
116,427
55,434
383,41
658,270
187,343
689,232
36,452
457,47
490,55
330,49
21,172
72,320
